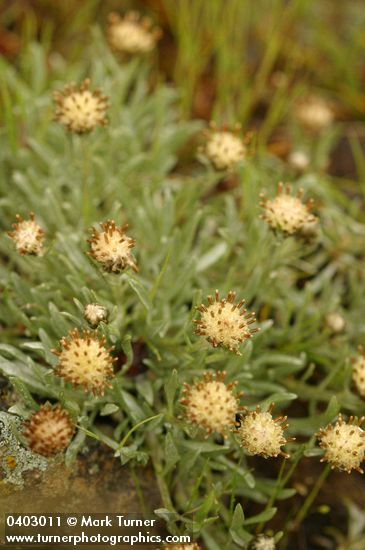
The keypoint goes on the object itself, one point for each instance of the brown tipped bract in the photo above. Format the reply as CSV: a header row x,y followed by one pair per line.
x,y
49,431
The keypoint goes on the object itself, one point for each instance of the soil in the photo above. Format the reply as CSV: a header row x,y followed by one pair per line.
x,y
96,484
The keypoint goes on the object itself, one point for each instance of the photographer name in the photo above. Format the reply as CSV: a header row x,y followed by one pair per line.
x,y
115,521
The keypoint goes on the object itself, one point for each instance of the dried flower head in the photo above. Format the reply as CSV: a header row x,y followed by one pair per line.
x,y
112,248
95,313
27,235
260,433
132,34
49,431
335,322
224,323
261,542
343,444
225,148
85,361
211,403
314,113
287,213
358,371
79,109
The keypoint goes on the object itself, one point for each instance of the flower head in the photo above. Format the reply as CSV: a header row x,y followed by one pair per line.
x,y
85,361
211,403
225,148
27,235
95,314
260,433
49,431
193,546
112,248
358,371
261,542
132,34
287,213
299,160
224,323
343,444
314,113
335,322
79,109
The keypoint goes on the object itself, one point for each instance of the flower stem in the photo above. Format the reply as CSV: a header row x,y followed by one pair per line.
x,y
303,511
85,197
124,440
158,468
282,482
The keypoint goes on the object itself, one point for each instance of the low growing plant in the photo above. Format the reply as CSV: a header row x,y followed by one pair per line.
x,y
80,291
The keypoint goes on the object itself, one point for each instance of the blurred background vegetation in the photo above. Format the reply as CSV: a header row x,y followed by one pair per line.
x,y
226,57
239,60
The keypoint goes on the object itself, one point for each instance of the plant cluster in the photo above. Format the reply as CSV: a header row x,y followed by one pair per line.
x,y
74,309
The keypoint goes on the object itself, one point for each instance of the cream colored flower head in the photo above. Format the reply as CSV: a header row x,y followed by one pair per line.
x,y
95,314
79,109
335,322
112,248
299,160
225,148
287,213
132,34
211,403
85,361
27,235
48,431
193,546
314,113
343,444
358,371
224,323
261,434
262,543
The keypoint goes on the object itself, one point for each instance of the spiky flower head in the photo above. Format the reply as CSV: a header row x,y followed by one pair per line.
x,y
79,109
132,34
314,113
27,235
211,403
95,314
85,361
224,148
343,444
224,323
287,213
358,371
48,431
261,542
260,433
112,248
